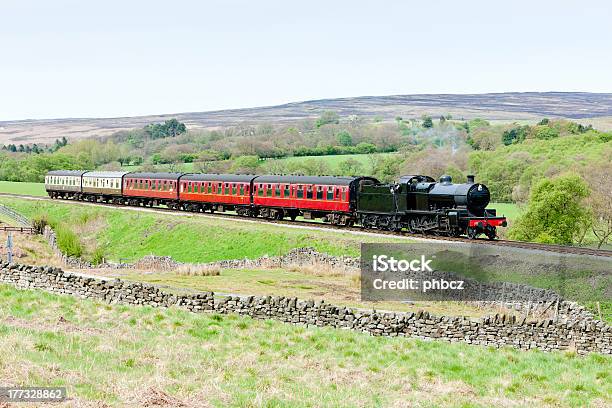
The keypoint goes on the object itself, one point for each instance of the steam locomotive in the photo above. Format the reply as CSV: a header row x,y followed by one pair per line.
x,y
415,203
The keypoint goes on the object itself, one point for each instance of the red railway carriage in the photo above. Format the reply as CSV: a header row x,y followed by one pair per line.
x,y
152,188
200,192
332,198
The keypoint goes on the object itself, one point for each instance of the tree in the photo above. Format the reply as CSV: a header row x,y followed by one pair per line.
x,y
174,127
556,212
344,138
427,122
476,124
515,135
543,132
136,160
599,177
544,122
156,159
365,148
328,117
170,128
485,138
350,167
245,164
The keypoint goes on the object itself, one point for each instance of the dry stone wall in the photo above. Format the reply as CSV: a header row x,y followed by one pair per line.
x,y
55,280
584,336
295,257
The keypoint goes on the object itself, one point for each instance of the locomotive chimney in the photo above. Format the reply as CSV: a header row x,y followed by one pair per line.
x,y
470,179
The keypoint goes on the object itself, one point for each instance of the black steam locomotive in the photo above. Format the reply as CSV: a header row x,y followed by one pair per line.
x,y
420,205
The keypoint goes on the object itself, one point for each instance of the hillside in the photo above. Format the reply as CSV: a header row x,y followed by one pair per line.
x,y
495,106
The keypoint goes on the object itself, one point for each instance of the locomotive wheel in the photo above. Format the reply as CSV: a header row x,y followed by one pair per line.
x,y
412,225
491,233
455,232
472,233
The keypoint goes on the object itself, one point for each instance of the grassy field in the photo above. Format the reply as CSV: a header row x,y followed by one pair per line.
x,y
130,235
333,161
139,356
509,210
35,189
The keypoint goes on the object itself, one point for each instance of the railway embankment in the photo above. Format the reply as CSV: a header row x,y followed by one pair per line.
x,y
573,329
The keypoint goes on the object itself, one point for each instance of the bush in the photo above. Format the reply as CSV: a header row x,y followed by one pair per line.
x,y
556,212
68,242
545,133
39,223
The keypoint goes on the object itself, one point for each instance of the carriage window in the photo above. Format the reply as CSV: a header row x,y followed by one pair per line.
x,y
344,194
209,187
309,192
269,190
300,191
233,189
330,193
277,190
319,193
260,190
242,189
287,192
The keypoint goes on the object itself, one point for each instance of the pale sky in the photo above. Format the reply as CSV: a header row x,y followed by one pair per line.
x,y
106,58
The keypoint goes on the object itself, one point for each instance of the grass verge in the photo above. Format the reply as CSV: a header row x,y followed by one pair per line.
x,y
122,355
130,235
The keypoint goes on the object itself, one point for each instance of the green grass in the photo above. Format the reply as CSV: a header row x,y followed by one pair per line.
x,y
128,234
333,161
510,210
180,167
12,187
122,355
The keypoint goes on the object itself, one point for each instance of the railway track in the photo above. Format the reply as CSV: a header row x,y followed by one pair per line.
x,y
561,249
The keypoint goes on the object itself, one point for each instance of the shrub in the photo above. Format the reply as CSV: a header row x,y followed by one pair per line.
x,y
68,242
545,133
556,212
39,223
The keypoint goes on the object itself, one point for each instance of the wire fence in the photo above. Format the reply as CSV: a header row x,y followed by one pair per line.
x,y
19,218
